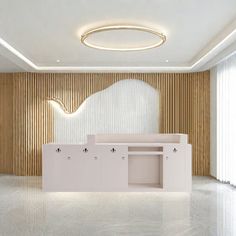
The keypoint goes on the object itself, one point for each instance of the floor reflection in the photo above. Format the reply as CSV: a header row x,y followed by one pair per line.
x,y
25,210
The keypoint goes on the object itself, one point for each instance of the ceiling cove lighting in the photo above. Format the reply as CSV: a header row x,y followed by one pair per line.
x,y
189,67
161,38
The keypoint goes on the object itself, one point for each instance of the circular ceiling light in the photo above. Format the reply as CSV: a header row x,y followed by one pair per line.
x,y
160,38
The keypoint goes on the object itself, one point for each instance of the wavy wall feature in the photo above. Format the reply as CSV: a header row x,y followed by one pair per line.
x,y
28,119
127,106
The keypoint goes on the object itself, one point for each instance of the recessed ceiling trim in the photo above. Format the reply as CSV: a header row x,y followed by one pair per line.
x,y
202,59
212,50
88,33
17,53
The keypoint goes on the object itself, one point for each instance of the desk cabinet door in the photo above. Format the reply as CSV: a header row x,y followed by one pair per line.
x,y
60,167
174,168
114,168
89,173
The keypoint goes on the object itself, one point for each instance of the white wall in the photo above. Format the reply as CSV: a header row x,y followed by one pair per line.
x,y
213,122
127,106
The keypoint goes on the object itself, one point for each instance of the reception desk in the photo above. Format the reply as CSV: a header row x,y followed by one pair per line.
x,y
119,162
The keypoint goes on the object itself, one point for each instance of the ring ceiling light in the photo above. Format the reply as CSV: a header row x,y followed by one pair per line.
x,y
161,38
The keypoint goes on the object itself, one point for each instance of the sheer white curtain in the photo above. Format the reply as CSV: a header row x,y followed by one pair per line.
x,y
226,120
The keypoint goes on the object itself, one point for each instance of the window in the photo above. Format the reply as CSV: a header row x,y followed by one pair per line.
x,y
226,120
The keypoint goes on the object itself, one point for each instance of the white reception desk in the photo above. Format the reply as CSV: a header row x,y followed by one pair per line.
x,y
119,162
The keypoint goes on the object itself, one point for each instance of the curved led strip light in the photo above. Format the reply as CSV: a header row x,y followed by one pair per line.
x,y
85,36
60,106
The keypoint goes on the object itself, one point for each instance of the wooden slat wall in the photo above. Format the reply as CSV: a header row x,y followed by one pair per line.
x,y
184,108
6,116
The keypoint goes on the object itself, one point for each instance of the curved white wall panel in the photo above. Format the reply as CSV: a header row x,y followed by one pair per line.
x,y
128,106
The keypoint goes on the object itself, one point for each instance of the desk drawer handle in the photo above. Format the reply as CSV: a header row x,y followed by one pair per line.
x,y
85,150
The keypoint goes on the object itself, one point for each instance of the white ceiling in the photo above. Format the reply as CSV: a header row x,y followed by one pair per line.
x,y
41,32
7,65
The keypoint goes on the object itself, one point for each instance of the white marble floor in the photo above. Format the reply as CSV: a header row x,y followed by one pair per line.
x,y
25,210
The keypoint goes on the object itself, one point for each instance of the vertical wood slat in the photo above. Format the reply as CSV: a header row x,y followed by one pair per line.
x,y
6,123
184,108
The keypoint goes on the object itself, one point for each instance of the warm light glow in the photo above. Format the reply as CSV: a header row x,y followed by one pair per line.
x,y
161,37
60,107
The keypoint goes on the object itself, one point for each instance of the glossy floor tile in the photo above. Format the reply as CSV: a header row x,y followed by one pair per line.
x,y
25,210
